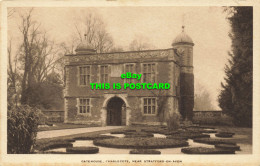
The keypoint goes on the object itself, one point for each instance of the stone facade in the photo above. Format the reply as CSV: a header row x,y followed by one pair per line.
x,y
97,106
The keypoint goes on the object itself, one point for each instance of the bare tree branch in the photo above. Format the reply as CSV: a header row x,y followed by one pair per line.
x,y
95,33
140,43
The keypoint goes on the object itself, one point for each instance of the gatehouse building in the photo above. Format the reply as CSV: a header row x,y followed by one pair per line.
x,y
102,107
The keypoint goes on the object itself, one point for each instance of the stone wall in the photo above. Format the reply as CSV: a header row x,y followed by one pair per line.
x,y
54,116
211,117
207,114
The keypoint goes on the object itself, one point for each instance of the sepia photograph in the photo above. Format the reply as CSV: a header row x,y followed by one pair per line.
x,y
129,80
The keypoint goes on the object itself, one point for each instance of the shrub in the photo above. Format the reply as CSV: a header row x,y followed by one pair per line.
x,y
227,146
209,131
212,141
201,129
203,150
188,135
22,124
129,130
137,134
153,130
82,150
144,151
177,137
167,132
117,132
140,143
173,122
54,152
224,134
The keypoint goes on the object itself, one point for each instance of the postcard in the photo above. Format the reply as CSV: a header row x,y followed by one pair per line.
x,y
130,82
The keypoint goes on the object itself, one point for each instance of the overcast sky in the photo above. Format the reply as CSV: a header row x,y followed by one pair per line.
x,y
207,26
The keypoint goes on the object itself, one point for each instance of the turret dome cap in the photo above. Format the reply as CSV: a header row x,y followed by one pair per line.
x,y
85,48
182,38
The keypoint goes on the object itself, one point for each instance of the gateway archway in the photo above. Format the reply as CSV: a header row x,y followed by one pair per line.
x,y
116,112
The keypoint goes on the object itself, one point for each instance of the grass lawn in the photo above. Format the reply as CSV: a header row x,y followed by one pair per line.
x,y
59,126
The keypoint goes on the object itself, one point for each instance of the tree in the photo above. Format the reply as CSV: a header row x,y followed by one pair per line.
x,y
140,43
202,99
12,71
69,46
49,94
36,58
235,98
116,49
13,76
92,28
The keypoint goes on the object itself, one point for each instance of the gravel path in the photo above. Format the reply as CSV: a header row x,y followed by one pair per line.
x,y
64,132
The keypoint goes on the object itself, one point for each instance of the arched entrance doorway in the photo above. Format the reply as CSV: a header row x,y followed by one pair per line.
x,y
116,112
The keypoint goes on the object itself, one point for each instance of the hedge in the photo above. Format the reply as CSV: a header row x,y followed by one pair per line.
x,y
188,135
140,143
203,150
226,146
137,134
117,132
212,141
144,151
224,134
82,150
